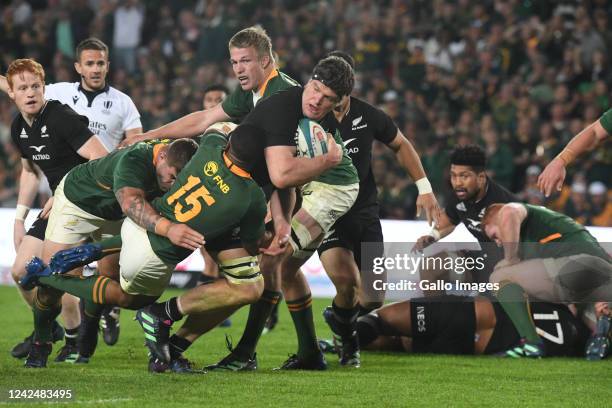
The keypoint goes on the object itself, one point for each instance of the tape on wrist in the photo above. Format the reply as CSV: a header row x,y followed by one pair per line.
x,y
424,186
435,234
162,226
567,155
21,212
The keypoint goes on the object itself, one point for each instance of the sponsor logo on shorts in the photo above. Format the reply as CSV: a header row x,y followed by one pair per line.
x,y
334,215
421,319
69,225
211,168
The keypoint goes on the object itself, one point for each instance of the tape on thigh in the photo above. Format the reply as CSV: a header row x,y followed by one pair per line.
x,y
241,270
301,241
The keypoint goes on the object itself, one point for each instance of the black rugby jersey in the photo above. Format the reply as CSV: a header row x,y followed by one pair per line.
x,y
53,140
363,124
470,213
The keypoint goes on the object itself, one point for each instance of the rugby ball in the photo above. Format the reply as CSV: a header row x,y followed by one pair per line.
x,y
310,138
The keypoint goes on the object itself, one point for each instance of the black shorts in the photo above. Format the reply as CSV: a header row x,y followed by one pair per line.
x,y
443,325
38,228
229,240
351,230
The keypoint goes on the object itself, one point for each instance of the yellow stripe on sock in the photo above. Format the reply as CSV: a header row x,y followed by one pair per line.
x,y
95,289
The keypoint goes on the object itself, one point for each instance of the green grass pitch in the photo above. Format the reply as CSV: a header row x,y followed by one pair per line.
x,y
117,376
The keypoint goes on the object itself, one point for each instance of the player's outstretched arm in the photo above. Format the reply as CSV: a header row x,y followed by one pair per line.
x,y
554,173
410,161
135,206
188,126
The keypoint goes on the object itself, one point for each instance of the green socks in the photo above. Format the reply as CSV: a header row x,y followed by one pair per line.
x,y
513,300
301,313
91,288
44,316
258,315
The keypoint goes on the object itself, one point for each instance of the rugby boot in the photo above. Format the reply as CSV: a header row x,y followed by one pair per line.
x,y
316,363
22,349
39,353
157,333
598,346
109,323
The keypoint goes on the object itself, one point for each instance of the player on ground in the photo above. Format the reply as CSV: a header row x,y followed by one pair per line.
x,y
111,114
549,256
553,175
52,139
466,325
473,192
214,194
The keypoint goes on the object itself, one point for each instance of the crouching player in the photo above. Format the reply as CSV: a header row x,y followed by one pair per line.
x,y
550,257
213,194
466,325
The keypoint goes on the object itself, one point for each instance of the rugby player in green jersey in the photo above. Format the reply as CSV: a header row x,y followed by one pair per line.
x,y
92,199
549,256
255,68
215,195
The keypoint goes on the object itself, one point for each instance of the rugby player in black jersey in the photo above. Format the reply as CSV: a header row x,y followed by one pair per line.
x,y
340,253
52,139
466,325
473,192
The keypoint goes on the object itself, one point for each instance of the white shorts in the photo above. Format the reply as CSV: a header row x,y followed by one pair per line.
x,y
69,224
142,272
325,203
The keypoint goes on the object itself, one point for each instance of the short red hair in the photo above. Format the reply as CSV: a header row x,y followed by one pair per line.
x,y
19,66
490,213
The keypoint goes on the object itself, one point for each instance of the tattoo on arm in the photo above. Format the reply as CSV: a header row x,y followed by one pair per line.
x,y
137,208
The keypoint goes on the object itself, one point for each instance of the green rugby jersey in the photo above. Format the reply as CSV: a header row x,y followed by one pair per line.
x,y
606,121
213,197
557,234
240,102
92,185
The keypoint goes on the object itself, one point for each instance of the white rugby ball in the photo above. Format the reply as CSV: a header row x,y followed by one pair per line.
x,y
310,138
